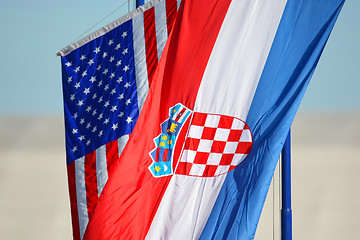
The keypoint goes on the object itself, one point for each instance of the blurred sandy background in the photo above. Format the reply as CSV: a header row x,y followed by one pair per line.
x,y
34,201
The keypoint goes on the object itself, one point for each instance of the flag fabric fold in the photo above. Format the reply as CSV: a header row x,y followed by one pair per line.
x,y
106,78
201,156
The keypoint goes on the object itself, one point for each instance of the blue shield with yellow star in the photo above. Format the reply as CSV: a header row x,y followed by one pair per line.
x,y
162,154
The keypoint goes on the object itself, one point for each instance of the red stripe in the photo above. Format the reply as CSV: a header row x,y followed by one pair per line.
x,y
180,114
73,200
171,11
157,153
166,151
131,196
112,153
91,182
150,43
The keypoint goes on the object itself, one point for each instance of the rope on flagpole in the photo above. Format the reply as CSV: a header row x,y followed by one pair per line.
x,y
100,21
274,204
273,208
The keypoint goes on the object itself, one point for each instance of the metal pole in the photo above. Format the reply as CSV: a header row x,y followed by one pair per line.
x,y
139,3
286,212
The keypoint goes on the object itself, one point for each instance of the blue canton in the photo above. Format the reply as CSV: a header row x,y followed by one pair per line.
x,y
100,94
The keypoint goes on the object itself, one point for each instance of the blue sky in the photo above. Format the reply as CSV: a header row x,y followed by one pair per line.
x,y
32,32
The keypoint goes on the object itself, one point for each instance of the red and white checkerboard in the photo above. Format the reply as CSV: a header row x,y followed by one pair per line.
x,y
215,145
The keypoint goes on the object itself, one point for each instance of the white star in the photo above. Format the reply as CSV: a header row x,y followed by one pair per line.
x,y
94,112
97,50
126,68
92,79
125,51
100,116
77,85
104,55
75,116
127,102
129,120
113,108
121,114
98,67
69,79
74,149
124,34
105,71
68,64
107,121
94,96
119,80
88,142
112,75
72,97
82,121
121,96
110,42
82,137
111,59
100,83
106,87
106,104
88,125
80,103
74,131
82,57
87,91
100,133
127,85
77,69
118,63
100,99
91,61
94,129
114,126
113,91
118,46
84,73
88,109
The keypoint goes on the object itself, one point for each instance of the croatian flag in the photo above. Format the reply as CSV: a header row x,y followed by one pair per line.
x,y
106,77
202,154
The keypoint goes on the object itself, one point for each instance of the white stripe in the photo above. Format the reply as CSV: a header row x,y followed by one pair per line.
x,y
185,217
183,116
227,87
101,168
142,83
161,27
178,3
233,71
176,113
122,142
81,194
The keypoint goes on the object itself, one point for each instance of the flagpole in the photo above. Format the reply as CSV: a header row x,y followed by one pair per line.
x,y
139,3
286,212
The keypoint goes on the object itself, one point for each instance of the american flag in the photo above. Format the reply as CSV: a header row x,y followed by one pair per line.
x,y
106,77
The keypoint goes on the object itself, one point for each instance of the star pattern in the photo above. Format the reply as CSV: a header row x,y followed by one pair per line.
x,y
99,86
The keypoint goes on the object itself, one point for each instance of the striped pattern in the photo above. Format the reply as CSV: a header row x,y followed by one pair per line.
x,y
247,59
226,88
88,174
